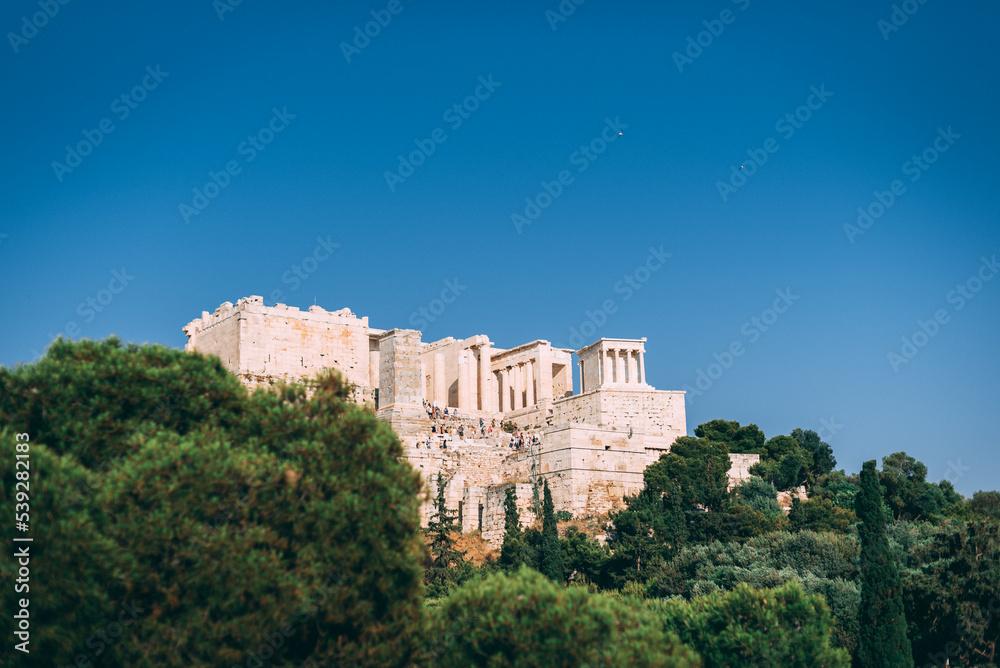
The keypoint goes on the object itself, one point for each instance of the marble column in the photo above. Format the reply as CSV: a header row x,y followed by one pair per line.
x,y
518,389
529,377
504,390
485,396
543,369
633,368
642,368
583,381
463,380
440,389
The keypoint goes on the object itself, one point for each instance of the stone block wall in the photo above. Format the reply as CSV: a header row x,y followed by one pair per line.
x,y
494,516
653,412
645,411
217,334
281,343
740,467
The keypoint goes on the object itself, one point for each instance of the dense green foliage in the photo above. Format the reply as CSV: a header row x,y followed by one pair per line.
x,y
281,529
696,469
882,638
747,439
223,526
526,620
951,586
819,515
824,564
760,495
756,627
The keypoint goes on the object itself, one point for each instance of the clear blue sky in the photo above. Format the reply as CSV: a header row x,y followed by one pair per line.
x,y
689,123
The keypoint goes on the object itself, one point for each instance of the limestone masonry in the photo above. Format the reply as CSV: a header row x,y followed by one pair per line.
x,y
592,447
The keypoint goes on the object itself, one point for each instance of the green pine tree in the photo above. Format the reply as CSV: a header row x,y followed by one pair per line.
x,y
882,640
550,557
441,528
514,551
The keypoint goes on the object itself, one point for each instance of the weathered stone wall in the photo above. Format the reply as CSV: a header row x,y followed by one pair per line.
x,y
282,343
217,334
400,380
591,469
654,412
740,467
647,411
494,515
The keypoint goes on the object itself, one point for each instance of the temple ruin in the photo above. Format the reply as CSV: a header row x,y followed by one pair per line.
x,y
592,446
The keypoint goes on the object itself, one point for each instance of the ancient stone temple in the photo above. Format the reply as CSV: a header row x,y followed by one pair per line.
x,y
592,446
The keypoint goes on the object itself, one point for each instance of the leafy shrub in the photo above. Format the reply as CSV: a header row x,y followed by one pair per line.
x,y
526,620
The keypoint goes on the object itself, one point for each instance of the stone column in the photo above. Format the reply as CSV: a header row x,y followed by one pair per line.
x,y
583,381
440,389
486,400
543,366
642,369
529,378
373,367
633,368
607,365
463,380
517,386
504,390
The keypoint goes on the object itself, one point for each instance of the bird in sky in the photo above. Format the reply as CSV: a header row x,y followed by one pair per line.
x,y
619,134
742,166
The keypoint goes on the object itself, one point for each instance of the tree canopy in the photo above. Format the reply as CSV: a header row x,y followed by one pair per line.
x,y
222,520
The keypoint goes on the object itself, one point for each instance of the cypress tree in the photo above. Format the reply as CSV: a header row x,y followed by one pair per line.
x,y
512,552
882,641
550,561
440,528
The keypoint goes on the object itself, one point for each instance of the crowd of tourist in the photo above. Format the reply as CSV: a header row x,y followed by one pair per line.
x,y
446,422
